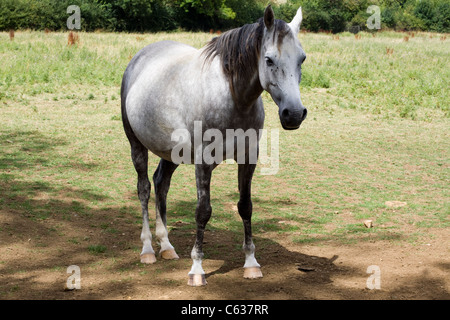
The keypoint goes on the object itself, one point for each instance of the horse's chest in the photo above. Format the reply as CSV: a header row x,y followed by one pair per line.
x,y
231,118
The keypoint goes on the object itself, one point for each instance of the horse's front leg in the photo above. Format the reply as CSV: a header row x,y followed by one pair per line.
x,y
202,215
252,269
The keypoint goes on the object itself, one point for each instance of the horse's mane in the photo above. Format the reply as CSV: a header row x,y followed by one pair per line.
x,y
239,49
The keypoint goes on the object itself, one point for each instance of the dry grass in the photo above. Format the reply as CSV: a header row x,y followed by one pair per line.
x,y
72,38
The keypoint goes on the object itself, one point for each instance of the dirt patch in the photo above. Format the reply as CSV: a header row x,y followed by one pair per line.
x,y
35,255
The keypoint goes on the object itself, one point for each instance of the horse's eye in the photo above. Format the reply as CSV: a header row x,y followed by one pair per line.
x,y
269,62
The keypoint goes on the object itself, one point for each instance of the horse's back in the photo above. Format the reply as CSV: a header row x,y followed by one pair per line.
x,y
152,56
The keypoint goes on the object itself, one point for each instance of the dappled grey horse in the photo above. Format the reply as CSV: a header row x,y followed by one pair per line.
x,y
171,87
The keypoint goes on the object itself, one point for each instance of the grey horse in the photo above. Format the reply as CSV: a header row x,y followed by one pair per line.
x,y
168,87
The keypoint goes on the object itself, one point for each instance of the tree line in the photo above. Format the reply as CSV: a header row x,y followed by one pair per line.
x,y
203,15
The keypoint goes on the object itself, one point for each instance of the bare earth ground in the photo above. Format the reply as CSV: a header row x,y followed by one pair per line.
x,y
330,271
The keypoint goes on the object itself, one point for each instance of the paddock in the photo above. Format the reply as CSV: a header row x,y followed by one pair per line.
x,y
375,146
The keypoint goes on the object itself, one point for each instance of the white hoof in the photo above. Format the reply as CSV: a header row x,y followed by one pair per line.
x,y
148,258
169,254
197,280
252,273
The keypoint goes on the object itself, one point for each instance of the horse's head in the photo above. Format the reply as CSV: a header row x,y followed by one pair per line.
x,y
280,69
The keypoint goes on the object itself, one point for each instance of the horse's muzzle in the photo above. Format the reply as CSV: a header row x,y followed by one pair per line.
x,y
291,119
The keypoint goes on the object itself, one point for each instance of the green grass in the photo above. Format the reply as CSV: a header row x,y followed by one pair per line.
x,y
377,130
97,249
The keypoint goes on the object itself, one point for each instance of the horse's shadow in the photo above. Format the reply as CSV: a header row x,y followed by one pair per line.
x,y
274,257
225,244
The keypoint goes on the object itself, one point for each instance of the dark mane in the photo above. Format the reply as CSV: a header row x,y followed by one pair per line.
x,y
239,49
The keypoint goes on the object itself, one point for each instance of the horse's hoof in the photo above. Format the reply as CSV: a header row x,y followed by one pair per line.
x,y
169,254
197,280
252,273
148,258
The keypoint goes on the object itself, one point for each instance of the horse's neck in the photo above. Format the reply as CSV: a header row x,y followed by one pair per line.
x,y
246,90
238,53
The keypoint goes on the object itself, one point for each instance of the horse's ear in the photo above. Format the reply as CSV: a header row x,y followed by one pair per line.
x,y
269,17
297,21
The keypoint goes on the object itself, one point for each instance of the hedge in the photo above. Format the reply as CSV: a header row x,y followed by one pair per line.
x,y
164,15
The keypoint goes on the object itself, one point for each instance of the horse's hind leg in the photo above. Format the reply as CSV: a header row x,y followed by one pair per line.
x,y
252,268
139,155
161,181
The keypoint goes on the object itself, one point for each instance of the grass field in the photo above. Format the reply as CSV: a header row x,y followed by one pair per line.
x,y
377,131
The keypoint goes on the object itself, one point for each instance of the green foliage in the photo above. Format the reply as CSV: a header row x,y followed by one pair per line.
x,y
339,15
217,14
165,15
246,12
442,17
429,15
152,15
52,14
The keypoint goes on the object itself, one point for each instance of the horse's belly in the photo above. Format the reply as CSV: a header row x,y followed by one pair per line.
x,y
153,128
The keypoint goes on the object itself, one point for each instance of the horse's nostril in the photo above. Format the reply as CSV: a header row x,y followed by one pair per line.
x,y
305,112
292,118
